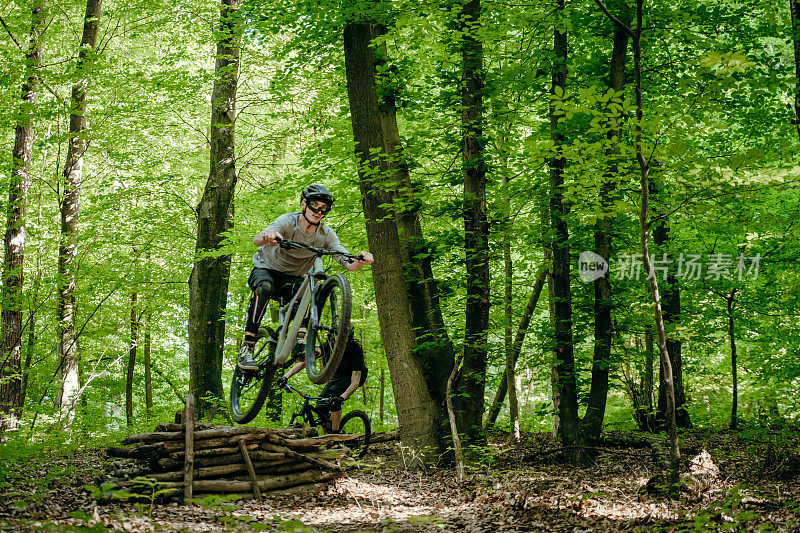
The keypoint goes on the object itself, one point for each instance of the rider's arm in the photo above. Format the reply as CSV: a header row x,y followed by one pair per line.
x,y
267,236
300,365
355,380
355,265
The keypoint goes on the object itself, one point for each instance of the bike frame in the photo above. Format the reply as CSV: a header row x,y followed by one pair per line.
x,y
307,306
310,414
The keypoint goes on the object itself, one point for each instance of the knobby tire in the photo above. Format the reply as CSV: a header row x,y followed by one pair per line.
x,y
357,421
250,388
328,338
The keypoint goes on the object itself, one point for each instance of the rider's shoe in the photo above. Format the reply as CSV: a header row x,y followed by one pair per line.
x,y
246,360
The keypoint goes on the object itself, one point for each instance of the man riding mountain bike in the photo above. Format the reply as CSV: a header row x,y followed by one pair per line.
x,y
274,267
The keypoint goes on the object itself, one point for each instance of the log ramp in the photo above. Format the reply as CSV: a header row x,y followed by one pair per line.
x,y
199,458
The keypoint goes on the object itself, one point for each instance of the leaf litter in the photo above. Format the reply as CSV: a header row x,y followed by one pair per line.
x,y
731,482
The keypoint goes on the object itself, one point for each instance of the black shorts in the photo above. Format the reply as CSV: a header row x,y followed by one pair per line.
x,y
283,285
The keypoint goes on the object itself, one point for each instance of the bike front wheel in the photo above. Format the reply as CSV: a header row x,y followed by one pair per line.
x,y
357,423
250,388
327,338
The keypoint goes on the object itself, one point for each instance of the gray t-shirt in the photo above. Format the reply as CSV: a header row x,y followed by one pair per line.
x,y
297,261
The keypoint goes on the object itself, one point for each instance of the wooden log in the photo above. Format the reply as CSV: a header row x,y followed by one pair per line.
x,y
212,452
222,442
207,431
308,458
330,438
167,464
188,469
251,472
287,464
267,484
138,452
170,427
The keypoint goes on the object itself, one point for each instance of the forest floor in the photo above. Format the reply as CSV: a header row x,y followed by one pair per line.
x,y
748,481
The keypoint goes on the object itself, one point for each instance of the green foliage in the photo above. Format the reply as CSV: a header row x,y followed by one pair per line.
x,y
717,130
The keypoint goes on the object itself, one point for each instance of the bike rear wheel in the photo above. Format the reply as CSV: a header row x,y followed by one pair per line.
x,y
357,422
327,338
250,388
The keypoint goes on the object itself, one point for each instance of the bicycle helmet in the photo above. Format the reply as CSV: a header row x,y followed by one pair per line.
x,y
317,192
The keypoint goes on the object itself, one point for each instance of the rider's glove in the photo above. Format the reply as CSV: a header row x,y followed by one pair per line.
x,y
336,403
281,382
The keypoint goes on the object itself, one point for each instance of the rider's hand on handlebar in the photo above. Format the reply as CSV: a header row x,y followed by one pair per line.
x,y
336,403
365,257
267,237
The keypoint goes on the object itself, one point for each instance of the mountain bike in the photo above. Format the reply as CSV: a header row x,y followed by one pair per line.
x,y
322,305
355,422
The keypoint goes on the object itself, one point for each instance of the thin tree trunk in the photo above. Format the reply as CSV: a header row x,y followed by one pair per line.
x,y
731,301
592,424
508,330
418,414
647,384
562,291
794,7
148,369
516,349
11,387
69,386
671,303
644,167
208,283
471,387
131,361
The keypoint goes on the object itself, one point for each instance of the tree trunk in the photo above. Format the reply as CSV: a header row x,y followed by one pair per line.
x,y
418,414
472,385
731,301
148,370
644,225
508,331
592,424
794,7
566,380
516,348
131,361
435,352
666,365
647,384
672,316
11,394
208,283
69,385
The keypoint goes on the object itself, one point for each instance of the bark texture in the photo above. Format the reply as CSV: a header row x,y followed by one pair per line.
x,y
476,227
208,283
417,411
592,423
11,389
70,205
564,378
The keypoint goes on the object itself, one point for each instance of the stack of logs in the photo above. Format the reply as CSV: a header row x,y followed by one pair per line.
x,y
202,458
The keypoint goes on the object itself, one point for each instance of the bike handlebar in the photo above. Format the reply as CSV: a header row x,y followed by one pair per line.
x,y
289,388
289,244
